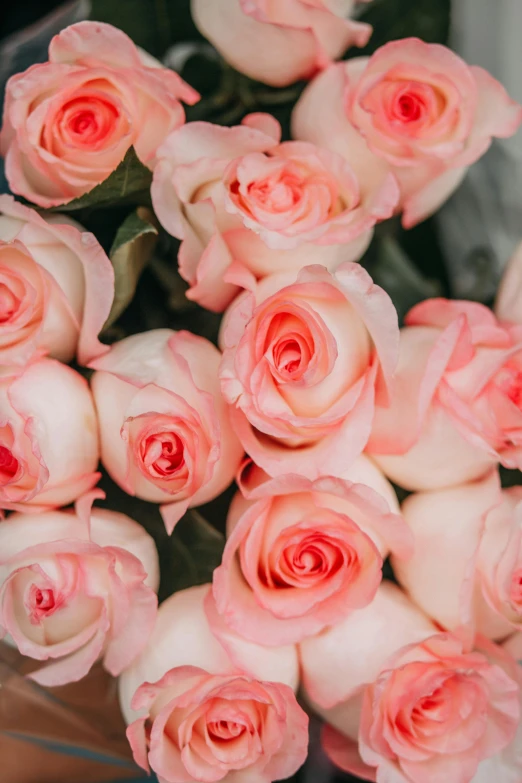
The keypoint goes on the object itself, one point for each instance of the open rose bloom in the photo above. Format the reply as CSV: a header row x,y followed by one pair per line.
x,y
165,431
69,122
49,447
307,358
418,705
239,199
466,571
456,407
302,554
56,286
75,587
195,714
413,108
279,42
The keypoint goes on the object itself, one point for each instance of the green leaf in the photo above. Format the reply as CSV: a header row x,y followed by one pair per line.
x,y
394,271
130,252
128,183
195,550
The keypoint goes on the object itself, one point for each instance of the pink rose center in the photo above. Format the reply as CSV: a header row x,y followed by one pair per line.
x,y
225,730
289,345
86,121
306,560
515,593
8,465
453,700
409,107
162,453
404,105
41,603
9,303
278,193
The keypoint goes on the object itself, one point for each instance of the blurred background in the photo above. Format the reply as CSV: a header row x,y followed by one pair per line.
x,y
459,253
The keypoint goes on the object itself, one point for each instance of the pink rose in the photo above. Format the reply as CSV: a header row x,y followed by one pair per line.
x,y
69,122
75,587
467,566
508,305
457,403
417,705
279,42
413,108
306,360
165,430
56,286
48,437
235,196
302,554
196,714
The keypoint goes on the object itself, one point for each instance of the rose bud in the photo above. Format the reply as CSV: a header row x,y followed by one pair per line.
x,y
76,587
307,358
69,122
202,711
457,403
414,109
301,554
56,286
415,706
48,437
165,430
279,43
235,196
467,566
508,305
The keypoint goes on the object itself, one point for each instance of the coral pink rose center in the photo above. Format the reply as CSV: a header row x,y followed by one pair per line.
x,y
454,702
277,194
298,560
9,303
290,346
8,465
163,453
404,105
86,120
41,603
224,729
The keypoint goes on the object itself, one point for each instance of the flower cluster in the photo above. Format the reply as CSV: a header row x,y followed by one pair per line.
x,y
314,401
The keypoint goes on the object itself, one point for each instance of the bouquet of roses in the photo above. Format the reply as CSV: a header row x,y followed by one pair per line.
x,y
314,401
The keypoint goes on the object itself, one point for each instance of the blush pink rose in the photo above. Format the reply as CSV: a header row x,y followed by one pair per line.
x,y
457,404
195,713
237,198
302,554
307,358
413,108
404,703
466,571
75,587
279,42
165,430
69,122
56,286
48,437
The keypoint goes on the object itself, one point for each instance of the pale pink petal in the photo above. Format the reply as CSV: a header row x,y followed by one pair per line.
x,y
448,527
171,513
428,199
344,753
87,41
